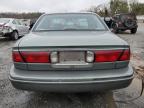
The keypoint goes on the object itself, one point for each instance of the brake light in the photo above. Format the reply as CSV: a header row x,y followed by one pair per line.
x,y
112,55
125,56
31,57
16,57
36,57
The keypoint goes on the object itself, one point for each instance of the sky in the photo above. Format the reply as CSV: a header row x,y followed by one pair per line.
x,y
48,6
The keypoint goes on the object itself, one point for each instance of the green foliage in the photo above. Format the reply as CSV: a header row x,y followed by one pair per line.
x,y
137,8
118,6
100,10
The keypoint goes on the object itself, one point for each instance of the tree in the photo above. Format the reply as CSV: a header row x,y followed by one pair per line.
x,y
118,6
102,10
137,8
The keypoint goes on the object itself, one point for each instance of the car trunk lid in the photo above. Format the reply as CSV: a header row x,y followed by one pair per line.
x,y
72,48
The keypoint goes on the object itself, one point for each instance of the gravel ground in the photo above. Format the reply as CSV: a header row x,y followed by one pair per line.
x,y
12,98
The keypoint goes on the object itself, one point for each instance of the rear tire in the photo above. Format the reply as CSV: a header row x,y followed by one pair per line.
x,y
114,28
133,31
14,35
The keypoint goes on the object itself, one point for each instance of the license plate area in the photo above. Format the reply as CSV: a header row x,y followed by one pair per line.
x,y
72,57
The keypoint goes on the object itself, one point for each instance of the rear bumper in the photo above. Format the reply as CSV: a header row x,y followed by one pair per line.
x,y
127,28
90,84
73,86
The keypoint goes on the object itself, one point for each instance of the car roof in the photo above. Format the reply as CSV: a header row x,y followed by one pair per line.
x,y
70,13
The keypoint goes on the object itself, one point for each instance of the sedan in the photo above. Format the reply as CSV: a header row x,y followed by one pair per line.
x,y
12,28
70,52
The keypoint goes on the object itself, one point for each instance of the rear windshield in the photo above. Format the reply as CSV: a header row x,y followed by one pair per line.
x,y
63,22
127,16
4,20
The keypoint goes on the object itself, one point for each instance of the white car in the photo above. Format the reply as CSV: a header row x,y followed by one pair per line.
x,y
13,28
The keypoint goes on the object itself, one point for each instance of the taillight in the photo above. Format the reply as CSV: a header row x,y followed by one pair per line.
x,y
5,27
125,56
16,56
112,55
36,57
31,57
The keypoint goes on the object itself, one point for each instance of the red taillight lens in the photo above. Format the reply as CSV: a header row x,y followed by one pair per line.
x,y
36,57
107,55
125,56
31,57
16,57
112,55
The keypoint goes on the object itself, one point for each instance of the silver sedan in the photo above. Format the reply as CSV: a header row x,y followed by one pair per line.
x,y
71,52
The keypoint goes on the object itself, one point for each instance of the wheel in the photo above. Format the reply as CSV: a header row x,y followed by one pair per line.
x,y
129,23
114,28
133,31
14,35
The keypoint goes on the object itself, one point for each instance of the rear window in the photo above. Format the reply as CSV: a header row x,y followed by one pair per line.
x,y
4,20
127,16
73,22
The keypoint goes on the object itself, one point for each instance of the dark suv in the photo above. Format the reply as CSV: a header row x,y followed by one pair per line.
x,y
125,21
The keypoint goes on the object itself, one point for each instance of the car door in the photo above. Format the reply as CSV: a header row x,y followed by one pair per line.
x,y
25,28
19,27
16,26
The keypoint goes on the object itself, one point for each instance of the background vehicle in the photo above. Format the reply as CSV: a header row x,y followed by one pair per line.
x,y
71,52
12,28
124,21
32,22
108,21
